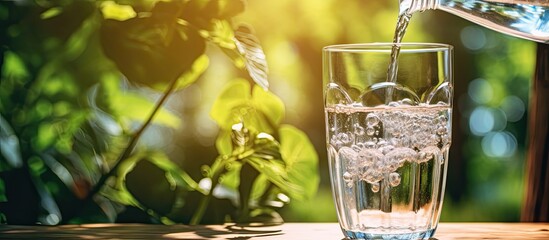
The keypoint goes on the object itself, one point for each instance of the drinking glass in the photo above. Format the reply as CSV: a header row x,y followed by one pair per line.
x,y
388,140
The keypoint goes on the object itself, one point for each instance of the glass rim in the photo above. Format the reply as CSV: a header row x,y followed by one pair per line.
x,y
407,47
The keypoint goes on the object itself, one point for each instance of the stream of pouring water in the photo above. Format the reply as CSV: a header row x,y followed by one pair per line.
x,y
392,72
402,24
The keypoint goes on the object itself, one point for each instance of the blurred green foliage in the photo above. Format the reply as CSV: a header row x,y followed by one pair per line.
x,y
83,84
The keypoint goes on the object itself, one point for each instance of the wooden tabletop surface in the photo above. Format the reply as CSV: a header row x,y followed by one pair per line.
x,y
285,231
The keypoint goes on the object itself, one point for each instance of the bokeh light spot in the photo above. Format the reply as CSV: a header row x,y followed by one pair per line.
x,y
473,37
499,144
513,107
480,91
481,121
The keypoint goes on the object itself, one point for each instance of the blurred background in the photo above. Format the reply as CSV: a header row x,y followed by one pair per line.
x,y
492,82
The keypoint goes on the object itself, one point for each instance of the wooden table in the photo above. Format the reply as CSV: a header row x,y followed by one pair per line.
x,y
286,231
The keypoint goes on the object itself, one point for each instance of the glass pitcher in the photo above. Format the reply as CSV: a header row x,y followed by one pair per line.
x,y
528,19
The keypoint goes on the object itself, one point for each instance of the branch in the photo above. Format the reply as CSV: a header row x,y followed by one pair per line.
x,y
127,151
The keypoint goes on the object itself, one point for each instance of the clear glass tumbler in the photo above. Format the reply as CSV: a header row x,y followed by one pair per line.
x,y
388,141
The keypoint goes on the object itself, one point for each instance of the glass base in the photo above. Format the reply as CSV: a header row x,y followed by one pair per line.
x,y
413,235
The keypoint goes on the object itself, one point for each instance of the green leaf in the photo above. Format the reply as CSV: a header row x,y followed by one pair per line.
x,y
149,185
270,105
13,66
133,106
260,112
153,51
231,178
301,160
158,184
46,136
256,62
199,66
9,149
223,143
52,12
113,10
266,147
222,35
136,107
275,172
235,94
78,42
260,186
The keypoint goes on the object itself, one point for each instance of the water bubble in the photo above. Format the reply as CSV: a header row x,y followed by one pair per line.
x,y
359,130
369,144
368,157
428,153
397,131
343,137
367,176
348,178
393,104
391,166
372,120
441,130
381,143
348,156
377,175
394,141
406,101
394,179
370,131
442,119
445,139
386,149
371,176
375,187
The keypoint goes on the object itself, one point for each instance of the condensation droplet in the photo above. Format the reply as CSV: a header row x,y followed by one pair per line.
x,y
394,179
370,131
359,130
347,177
375,187
372,120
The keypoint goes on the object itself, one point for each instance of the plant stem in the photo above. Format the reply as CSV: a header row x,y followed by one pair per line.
x,y
129,148
197,216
